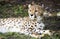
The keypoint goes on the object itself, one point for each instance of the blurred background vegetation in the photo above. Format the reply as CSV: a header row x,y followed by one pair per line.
x,y
8,10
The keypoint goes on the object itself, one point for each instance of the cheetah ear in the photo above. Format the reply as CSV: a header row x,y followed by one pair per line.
x,y
29,5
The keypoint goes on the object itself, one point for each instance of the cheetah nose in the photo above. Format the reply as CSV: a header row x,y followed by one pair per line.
x,y
31,14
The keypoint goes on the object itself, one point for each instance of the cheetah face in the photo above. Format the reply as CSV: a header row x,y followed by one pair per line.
x,y
31,12
34,11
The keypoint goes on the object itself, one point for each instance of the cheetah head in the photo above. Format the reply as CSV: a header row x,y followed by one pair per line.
x,y
34,11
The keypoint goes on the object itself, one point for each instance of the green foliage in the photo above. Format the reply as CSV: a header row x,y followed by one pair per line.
x,y
56,36
19,10
14,35
9,10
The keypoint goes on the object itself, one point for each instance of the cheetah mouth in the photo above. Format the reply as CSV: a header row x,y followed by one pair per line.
x,y
31,16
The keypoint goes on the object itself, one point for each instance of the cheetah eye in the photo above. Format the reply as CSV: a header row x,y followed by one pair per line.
x,y
30,10
35,10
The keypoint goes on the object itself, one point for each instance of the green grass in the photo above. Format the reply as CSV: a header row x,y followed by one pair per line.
x,y
14,35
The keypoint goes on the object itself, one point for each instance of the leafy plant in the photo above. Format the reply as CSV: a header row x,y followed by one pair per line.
x,y
12,11
20,11
14,35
